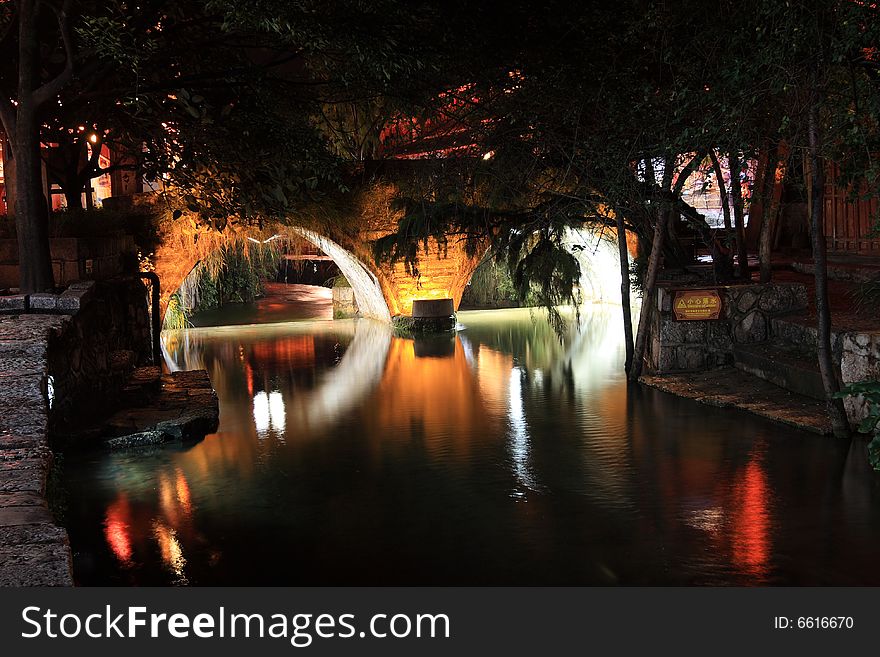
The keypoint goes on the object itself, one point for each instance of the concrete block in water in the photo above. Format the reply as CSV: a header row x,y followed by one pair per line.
x,y
422,308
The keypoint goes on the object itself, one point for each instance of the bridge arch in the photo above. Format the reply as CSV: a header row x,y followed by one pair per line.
x,y
174,266
364,283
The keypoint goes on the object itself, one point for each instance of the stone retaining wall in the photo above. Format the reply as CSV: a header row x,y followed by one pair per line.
x,y
860,361
90,359
746,313
74,258
66,348
33,550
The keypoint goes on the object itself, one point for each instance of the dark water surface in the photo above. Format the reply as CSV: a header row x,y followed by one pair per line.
x,y
498,456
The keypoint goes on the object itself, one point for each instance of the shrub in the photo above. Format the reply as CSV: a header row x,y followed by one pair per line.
x,y
870,391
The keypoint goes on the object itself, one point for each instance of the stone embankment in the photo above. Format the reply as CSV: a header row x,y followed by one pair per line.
x,y
34,551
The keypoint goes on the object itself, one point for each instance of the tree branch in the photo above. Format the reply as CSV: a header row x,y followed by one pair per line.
x,y
7,117
51,88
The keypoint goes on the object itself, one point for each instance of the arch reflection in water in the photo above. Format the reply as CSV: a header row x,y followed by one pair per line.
x,y
307,400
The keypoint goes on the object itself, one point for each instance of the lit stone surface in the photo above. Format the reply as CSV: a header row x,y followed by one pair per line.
x,y
728,387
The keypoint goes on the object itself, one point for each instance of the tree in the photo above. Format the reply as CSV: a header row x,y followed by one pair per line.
x,y
20,115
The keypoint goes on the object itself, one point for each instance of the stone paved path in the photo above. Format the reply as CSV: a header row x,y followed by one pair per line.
x,y
34,551
733,388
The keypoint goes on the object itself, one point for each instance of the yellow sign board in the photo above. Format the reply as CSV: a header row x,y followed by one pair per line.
x,y
692,305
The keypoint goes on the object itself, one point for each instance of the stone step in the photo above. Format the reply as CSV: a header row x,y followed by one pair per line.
x,y
784,364
794,332
802,332
859,271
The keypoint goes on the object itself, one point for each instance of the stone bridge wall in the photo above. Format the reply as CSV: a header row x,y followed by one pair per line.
x,y
382,290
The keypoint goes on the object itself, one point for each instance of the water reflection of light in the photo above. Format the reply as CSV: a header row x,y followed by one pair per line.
x,y
184,498
261,413
167,497
171,550
276,412
751,520
116,530
709,520
519,432
269,413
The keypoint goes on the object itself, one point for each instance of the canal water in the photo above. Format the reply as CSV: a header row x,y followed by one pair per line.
x,y
346,455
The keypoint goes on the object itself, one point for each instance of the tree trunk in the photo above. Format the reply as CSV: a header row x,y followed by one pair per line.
x,y
769,208
742,254
722,257
625,290
31,213
9,178
648,298
836,411
722,189
71,182
73,199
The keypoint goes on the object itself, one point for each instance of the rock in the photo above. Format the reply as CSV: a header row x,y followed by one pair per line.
x,y
13,304
32,534
24,515
664,299
74,298
158,408
690,358
746,301
36,565
751,328
771,299
138,439
43,302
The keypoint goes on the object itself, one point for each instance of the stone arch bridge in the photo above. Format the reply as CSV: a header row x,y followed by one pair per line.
x,y
385,290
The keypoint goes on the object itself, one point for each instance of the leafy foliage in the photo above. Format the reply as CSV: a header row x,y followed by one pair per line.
x,y
869,391
235,276
176,316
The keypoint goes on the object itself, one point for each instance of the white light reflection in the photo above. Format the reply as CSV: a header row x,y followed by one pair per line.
x,y
520,450
269,413
277,413
261,413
